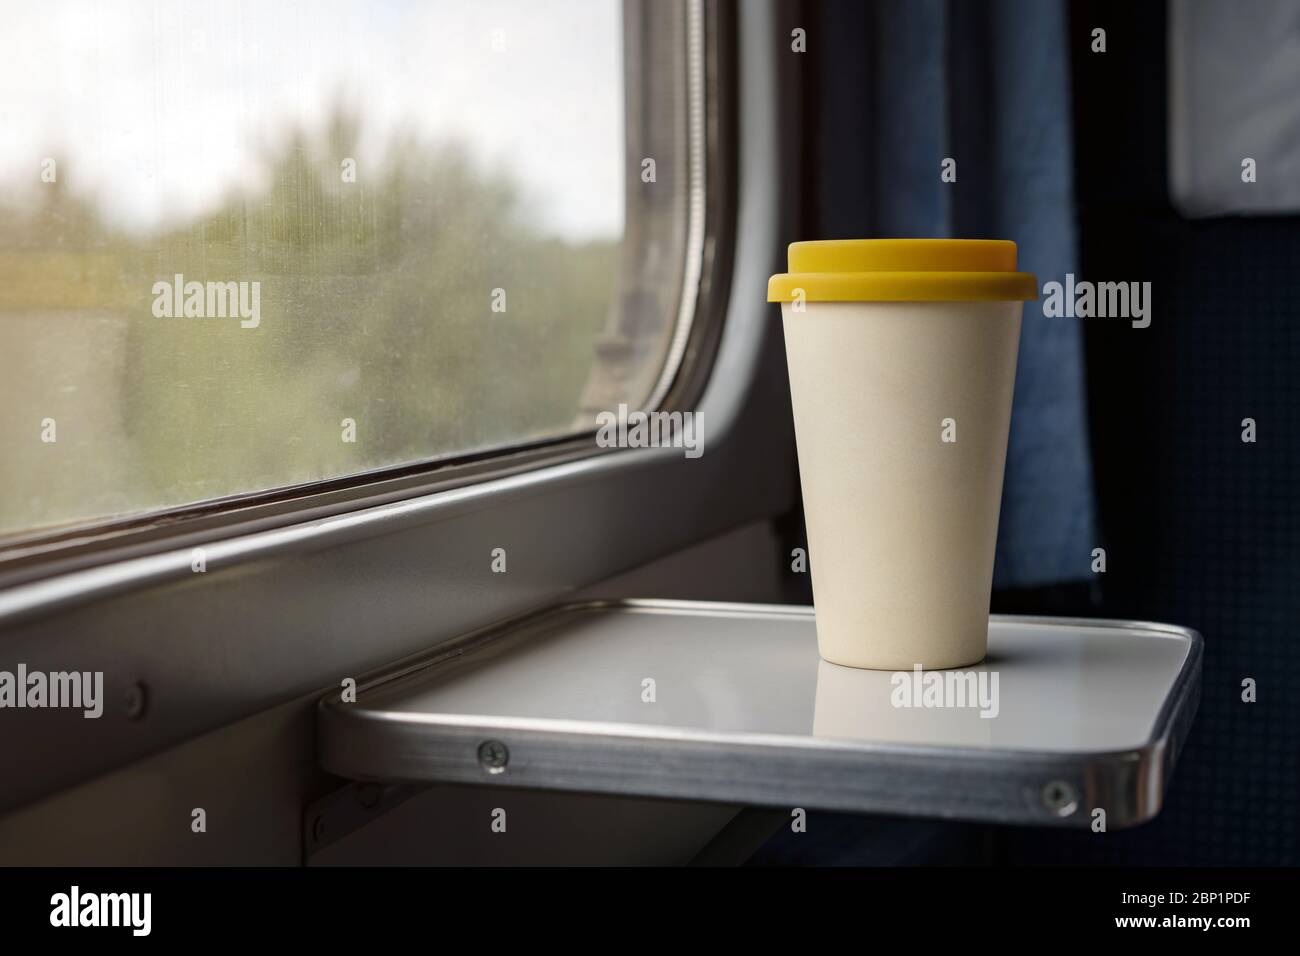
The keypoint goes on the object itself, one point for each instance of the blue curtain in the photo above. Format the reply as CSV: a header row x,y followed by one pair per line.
x,y
985,82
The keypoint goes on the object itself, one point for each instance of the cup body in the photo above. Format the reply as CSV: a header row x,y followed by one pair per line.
x,y
901,413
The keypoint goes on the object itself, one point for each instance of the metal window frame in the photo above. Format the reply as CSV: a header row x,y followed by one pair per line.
x,y
285,611
709,203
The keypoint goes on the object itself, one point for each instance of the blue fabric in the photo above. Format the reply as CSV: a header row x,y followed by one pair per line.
x,y
1047,529
987,83
912,89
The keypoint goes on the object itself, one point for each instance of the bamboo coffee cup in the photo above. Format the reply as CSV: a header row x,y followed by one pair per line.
x,y
902,360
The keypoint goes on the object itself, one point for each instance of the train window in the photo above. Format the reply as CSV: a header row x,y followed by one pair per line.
x,y
252,246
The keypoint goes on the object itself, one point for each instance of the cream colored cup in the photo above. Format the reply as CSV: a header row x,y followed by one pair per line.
x,y
902,360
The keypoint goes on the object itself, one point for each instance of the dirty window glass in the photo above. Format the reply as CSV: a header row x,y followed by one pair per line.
x,y
246,246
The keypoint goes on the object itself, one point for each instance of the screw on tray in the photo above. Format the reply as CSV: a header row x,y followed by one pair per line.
x,y
493,756
1060,798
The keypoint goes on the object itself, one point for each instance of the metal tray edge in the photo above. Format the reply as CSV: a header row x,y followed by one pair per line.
x,y
1020,787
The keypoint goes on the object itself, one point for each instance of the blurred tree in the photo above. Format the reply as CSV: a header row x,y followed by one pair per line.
x,y
376,305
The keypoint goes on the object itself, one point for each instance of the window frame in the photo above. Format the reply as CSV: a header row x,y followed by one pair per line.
x,y
51,550
346,586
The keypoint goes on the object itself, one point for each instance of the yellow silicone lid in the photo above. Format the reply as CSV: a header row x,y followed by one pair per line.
x,y
902,270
